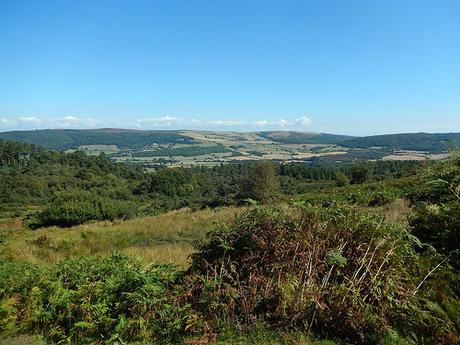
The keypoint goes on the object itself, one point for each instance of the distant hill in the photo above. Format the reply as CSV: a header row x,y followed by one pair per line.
x,y
289,137
64,139
187,147
430,142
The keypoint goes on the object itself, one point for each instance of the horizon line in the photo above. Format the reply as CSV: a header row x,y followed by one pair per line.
x,y
214,131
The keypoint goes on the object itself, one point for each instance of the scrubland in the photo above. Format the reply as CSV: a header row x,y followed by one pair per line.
x,y
365,253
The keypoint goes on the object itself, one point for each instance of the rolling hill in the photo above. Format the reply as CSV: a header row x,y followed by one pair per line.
x,y
187,147
430,142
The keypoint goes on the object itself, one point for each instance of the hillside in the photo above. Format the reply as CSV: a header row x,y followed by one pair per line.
x,y
186,147
431,142
64,139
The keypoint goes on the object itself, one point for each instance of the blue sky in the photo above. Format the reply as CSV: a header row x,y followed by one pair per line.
x,y
352,67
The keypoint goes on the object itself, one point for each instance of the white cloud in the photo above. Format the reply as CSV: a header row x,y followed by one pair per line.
x,y
303,121
281,123
30,120
159,121
71,118
261,123
75,122
67,121
225,123
196,122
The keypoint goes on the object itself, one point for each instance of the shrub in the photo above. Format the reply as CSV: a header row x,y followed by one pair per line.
x,y
360,172
74,208
341,179
261,183
439,226
330,270
436,219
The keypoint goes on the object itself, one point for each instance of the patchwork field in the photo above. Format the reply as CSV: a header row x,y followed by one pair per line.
x,y
188,147
211,148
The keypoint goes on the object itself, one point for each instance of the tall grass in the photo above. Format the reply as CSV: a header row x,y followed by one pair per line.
x,y
164,238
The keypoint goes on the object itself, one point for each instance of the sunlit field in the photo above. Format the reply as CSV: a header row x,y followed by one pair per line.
x,y
166,238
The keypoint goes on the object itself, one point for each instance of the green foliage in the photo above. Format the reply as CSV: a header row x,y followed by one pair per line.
x,y
78,207
109,300
341,179
261,183
331,270
335,258
324,265
437,209
69,138
360,172
32,176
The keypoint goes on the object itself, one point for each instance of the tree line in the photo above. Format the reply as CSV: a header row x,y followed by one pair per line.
x,y
68,184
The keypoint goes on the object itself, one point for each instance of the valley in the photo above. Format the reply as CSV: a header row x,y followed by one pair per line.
x,y
188,148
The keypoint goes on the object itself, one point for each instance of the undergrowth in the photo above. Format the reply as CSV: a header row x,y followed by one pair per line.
x,y
336,272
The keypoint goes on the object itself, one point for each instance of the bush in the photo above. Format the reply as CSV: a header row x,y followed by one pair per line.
x,y
436,220
439,226
69,209
341,179
330,270
360,172
370,198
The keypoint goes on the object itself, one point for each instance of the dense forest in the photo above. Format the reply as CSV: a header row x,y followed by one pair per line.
x,y
365,252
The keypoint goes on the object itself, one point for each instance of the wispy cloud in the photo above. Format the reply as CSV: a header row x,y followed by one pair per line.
x,y
159,121
154,122
281,123
71,121
303,121
33,120
261,124
225,123
172,121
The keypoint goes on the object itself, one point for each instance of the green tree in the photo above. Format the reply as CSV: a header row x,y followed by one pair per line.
x,y
360,172
261,182
341,179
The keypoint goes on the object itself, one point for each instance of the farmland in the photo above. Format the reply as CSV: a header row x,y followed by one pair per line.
x,y
187,148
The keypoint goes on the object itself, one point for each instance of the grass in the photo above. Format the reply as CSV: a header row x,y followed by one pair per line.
x,y
397,212
261,336
165,238
253,338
